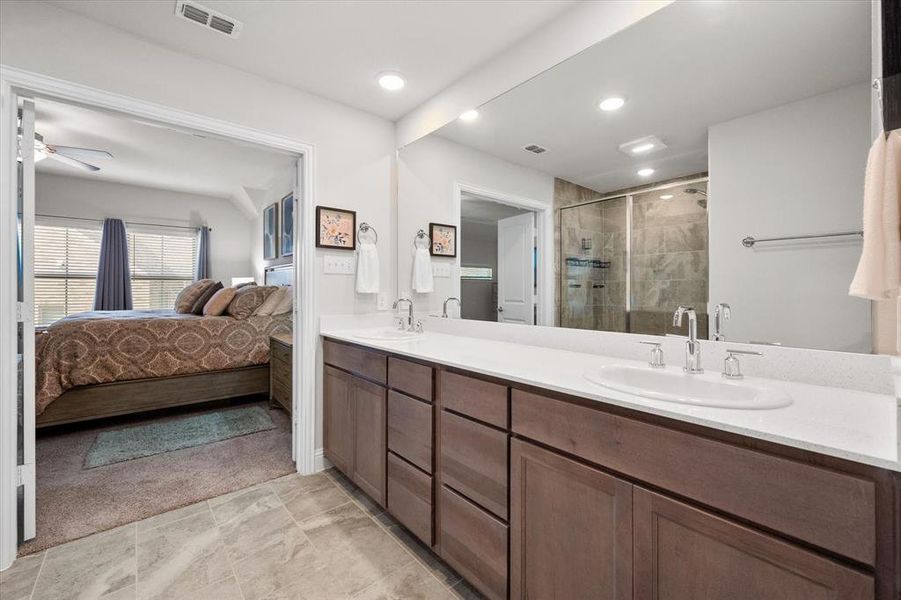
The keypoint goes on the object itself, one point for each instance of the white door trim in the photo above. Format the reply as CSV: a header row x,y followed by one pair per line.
x,y
14,81
544,225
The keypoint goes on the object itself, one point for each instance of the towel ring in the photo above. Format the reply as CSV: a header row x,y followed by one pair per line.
x,y
365,227
420,235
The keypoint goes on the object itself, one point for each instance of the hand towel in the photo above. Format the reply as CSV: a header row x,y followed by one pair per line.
x,y
367,268
878,275
422,271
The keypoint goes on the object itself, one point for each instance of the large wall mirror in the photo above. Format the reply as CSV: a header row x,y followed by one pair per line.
x,y
712,155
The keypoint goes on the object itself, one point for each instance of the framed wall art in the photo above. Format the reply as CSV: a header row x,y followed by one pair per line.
x,y
444,240
336,228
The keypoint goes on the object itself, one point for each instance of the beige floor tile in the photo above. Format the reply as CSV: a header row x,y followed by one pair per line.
x,y
17,581
308,498
412,582
90,567
177,559
424,554
292,485
464,591
172,516
244,537
244,504
277,565
227,589
126,593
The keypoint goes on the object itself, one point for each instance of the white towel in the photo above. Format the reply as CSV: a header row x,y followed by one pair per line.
x,y
367,268
422,271
878,275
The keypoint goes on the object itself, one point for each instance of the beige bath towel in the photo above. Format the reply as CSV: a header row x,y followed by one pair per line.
x,y
878,275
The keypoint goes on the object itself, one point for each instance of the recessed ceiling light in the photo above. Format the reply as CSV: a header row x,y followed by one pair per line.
x,y
642,148
608,104
646,172
391,81
666,196
470,115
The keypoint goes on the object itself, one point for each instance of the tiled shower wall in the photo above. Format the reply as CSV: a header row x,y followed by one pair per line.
x,y
669,259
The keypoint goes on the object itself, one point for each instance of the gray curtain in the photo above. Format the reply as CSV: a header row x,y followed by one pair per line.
x,y
203,254
113,291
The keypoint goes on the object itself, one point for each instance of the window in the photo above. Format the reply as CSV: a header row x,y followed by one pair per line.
x,y
476,273
65,269
162,263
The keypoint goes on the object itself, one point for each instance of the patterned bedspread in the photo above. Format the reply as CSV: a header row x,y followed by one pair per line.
x,y
106,346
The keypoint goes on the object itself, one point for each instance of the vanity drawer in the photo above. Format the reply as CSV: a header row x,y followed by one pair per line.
x,y
410,498
474,543
366,363
476,398
829,509
410,429
474,462
410,377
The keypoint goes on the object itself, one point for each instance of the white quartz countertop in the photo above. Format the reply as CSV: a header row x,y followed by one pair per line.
x,y
849,424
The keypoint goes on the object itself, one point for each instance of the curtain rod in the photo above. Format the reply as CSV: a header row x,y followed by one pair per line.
x,y
126,222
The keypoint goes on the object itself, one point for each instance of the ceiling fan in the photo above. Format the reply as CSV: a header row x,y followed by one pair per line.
x,y
68,155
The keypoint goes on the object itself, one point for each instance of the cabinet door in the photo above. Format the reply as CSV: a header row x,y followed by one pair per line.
x,y
570,528
685,553
370,451
338,415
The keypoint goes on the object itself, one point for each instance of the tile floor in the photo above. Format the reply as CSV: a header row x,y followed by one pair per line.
x,y
293,538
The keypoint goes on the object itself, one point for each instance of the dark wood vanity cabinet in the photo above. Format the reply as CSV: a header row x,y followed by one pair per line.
x,y
531,494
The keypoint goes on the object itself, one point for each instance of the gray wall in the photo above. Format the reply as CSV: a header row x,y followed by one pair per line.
x,y
478,248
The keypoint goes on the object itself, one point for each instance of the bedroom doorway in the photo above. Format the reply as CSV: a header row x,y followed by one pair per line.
x,y
21,215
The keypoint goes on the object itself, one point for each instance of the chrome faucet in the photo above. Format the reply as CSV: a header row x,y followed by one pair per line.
x,y
692,346
444,309
722,312
408,321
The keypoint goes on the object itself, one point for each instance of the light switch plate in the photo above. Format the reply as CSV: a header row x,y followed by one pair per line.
x,y
441,269
383,301
334,264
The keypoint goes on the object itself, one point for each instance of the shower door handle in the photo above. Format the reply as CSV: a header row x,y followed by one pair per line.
x,y
500,309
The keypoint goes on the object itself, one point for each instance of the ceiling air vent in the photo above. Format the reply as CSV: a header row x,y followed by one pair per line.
x,y
534,149
205,17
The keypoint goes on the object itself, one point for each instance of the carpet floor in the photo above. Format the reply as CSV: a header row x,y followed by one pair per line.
x,y
73,502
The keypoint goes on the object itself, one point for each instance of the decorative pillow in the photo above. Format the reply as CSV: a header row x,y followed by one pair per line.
x,y
197,309
248,299
186,298
245,284
219,302
269,305
286,303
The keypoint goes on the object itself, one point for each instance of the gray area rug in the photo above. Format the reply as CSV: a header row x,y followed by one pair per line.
x,y
129,443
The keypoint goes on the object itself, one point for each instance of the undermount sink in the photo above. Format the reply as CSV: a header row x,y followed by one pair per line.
x,y
673,385
387,335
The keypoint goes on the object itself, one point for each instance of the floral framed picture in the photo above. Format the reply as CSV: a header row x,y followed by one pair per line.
x,y
336,228
444,240
287,230
270,231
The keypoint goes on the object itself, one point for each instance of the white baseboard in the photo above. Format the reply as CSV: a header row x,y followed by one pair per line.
x,y
320,462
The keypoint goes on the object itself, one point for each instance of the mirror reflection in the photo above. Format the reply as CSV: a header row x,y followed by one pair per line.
x,y
710,156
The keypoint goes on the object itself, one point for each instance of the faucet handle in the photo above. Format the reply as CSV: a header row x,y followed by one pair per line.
x,y
656,361
731,366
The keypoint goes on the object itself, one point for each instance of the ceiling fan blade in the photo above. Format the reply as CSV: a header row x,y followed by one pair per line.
x,y
72,162
81,153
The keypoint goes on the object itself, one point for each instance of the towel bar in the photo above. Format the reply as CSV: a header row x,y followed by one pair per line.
x,y
749,241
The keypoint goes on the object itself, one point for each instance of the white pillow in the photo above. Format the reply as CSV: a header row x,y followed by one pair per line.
x,y
287,301
270,303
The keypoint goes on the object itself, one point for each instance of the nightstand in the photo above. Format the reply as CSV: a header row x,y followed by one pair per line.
x,y
280,367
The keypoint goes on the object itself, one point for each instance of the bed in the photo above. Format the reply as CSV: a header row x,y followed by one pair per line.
x,y
106,363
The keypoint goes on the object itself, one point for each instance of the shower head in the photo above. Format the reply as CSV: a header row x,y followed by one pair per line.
x,y
692,190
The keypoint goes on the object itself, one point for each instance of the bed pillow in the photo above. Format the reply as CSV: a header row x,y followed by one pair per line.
x,y
186,298
269,305
197,309
245,284
219,302
286,303
248,299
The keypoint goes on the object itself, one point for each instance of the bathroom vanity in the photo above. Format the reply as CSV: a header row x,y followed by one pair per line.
x,y
531,492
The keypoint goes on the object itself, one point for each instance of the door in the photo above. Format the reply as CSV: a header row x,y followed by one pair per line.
x,y
338,416
516,269
371,445
570,528
681,552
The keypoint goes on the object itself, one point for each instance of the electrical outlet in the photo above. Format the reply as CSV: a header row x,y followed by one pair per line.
x,y
383,302
338,265
441,269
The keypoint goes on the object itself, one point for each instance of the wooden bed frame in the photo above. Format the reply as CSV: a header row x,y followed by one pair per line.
x,y
88,402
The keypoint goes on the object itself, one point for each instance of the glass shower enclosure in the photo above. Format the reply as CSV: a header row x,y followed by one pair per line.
x,y
627,261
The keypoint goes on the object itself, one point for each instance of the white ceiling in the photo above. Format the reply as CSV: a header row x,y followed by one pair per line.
x,y
153,156
481,210
686,67
336,49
